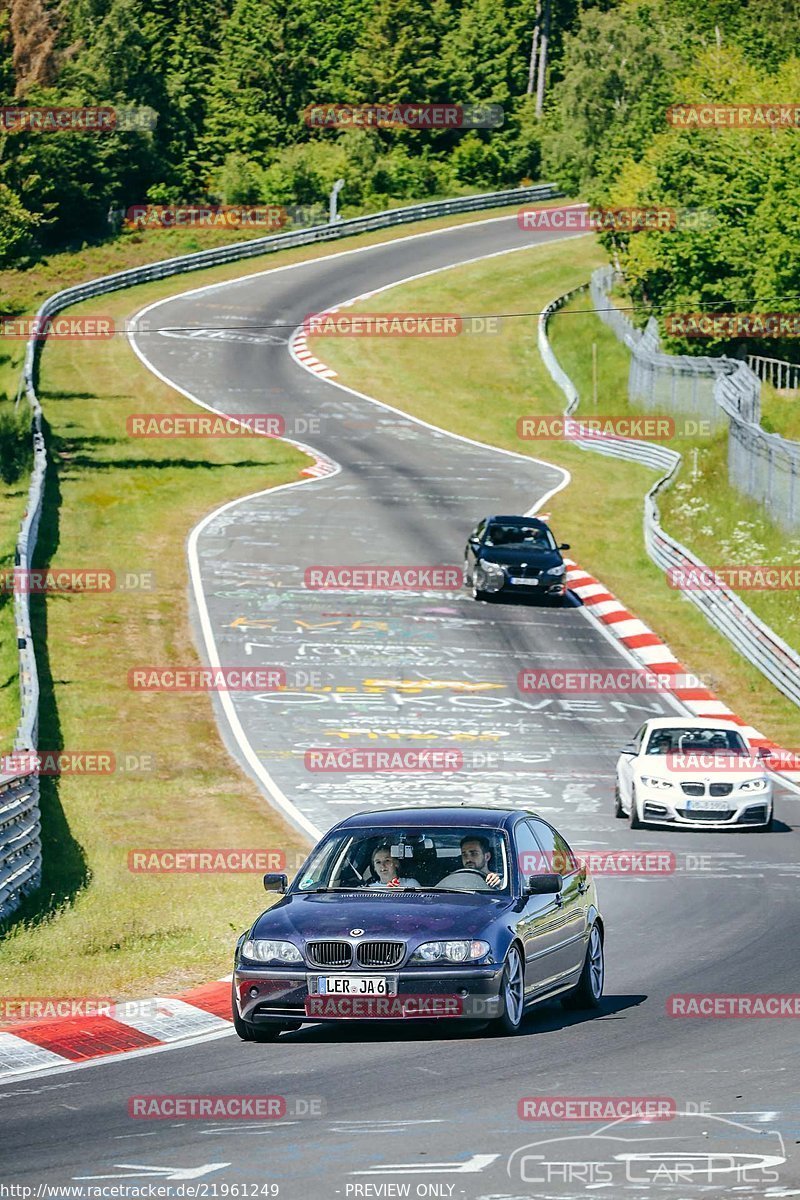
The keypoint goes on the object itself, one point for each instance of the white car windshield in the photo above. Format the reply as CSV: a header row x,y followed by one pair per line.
x,y
462,859
681,740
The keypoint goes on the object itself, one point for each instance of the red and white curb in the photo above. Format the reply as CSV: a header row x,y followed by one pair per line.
x,y
655,655
299,344
54,1042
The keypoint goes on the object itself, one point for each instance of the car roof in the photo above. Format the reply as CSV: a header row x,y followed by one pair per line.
x,y
457,815
516,520
693,722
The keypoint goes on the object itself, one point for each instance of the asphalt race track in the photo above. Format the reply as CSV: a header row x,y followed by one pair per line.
x,y
421,1111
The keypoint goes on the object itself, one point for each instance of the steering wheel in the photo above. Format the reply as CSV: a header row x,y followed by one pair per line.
x,y
463,871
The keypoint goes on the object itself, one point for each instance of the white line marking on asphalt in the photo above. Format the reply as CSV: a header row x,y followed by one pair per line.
x,y
478,1162
136,1170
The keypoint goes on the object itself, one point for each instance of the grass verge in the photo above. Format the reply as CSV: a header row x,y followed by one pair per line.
x,y
480,386
127,505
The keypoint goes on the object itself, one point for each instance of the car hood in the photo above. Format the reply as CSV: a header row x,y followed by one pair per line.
x,y
431,915
657,766
510,556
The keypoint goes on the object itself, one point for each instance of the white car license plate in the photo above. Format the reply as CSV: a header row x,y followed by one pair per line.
x,y
353,985
707,806
525,582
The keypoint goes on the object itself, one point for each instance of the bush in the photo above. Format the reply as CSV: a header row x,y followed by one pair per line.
x,y
16,448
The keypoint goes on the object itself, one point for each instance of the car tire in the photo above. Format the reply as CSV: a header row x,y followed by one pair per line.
x,y
254,1033
588,991
512,990
619,811
634,821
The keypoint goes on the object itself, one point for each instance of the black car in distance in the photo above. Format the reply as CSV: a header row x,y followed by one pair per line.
x,y
519,555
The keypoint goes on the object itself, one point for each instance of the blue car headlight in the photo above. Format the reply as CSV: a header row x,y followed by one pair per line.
x,y
263,950
451,952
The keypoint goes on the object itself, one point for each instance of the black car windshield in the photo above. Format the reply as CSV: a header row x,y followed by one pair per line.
x,y
681,740
450,858
532,537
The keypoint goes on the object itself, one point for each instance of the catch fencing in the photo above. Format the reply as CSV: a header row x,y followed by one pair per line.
x,y
753,639
721,391
20,839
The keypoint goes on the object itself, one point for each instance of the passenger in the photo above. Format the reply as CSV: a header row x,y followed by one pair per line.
x,y
475,853
386,867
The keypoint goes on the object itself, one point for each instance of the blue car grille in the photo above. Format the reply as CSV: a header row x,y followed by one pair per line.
x,y
380,954
329,954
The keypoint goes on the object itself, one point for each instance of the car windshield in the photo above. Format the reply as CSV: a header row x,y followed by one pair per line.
x,y
533,536
712,740
463,859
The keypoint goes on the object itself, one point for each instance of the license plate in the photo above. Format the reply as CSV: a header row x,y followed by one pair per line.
x,y
524,582
707,806
353,985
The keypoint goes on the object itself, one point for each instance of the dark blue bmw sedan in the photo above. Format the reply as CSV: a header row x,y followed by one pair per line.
x,y
464,911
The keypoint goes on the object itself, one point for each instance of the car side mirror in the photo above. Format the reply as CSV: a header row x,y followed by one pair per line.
x,y
564,546
544,885
630,748
474,542
764,752
273,882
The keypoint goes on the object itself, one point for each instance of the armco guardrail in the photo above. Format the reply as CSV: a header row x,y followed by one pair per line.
x,y
721,390
753,639
19,840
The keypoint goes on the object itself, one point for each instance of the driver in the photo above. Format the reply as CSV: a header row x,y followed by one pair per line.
x,y
476,854
386,867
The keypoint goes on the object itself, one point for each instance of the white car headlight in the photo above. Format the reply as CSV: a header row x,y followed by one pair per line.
x,y
489,568
261,950
559,570
754,785
459,951
653,782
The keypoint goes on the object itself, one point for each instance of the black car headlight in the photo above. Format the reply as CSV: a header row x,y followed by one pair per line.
x,y
451,952
265,950
492,575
